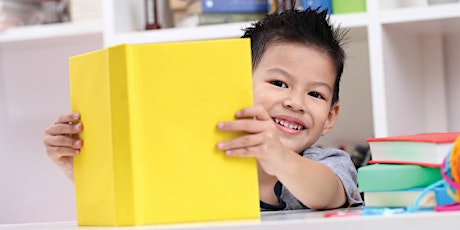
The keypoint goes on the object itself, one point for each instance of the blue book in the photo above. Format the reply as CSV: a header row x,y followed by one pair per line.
x,y
234,6
313,4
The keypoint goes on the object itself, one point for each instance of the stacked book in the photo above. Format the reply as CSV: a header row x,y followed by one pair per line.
x,y
188,13
204,12
332,6
402,167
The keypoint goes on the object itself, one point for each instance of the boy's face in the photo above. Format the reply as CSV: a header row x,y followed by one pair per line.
x,y
295,83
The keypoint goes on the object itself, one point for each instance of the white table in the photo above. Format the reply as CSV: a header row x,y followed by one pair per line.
x,y
288,220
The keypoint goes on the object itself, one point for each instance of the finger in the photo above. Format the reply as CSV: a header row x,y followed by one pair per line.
x,y
68,118
250,126
63,129
56,153
244,142
243,152
63,141
256,112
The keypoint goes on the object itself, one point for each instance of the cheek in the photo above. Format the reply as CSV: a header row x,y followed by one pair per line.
x,y
262,97
323,120
256,93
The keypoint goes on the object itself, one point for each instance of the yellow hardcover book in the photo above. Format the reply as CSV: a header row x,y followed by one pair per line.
x,y
149,113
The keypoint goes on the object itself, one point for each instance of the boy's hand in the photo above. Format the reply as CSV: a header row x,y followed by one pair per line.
x,y
62,142
261,142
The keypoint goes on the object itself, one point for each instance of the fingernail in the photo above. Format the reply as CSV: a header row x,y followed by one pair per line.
x,y
77,143
76,116
220,125
238,113
220,145
78,127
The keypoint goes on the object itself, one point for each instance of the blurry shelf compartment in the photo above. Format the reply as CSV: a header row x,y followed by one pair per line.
x,y
425,13
37,32
218,31
438,26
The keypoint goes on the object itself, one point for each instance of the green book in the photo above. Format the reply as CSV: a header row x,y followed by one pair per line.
x,y
386,177
210,19
348,6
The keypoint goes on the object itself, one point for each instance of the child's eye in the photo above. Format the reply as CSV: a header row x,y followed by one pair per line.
x,y
316,95
279,84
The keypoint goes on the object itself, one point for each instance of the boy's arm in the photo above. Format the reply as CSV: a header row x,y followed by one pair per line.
x,y
312,183
266,187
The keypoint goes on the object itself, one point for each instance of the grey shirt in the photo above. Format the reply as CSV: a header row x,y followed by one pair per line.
x,y
339,161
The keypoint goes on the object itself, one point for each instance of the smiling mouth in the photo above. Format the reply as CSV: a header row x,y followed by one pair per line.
x,y
288,125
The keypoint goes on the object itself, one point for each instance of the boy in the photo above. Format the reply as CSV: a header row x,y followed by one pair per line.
x,y
297,65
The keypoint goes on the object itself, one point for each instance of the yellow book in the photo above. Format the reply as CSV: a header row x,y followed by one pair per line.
x,y
150,113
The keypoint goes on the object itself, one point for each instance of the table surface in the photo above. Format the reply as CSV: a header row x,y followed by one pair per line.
x,y
298,219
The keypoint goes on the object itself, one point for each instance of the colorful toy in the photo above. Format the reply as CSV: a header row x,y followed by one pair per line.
x,y
450,171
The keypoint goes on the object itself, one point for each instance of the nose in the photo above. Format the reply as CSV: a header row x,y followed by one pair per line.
x,y
294,101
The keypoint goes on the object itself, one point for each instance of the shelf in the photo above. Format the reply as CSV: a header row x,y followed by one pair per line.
x,y
231,30
352,20
37,32
440,26
219,31
417,14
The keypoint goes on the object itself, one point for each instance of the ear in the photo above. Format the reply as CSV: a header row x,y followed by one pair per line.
x,y
331,118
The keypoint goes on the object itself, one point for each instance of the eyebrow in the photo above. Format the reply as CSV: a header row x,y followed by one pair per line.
x,y
284,72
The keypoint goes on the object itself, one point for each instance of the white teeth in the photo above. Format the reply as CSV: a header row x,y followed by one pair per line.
x,y
287,125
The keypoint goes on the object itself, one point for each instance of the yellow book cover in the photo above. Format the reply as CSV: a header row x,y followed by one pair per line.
x,y
150,113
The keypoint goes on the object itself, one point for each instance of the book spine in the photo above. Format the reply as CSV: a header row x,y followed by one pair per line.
x,y
234,6
121,137
208,19
212,18
314,4
93,168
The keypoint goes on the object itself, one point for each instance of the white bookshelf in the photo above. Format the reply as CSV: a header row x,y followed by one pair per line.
x,y
125,23
38,32
422,13
413,64
401,77
399,46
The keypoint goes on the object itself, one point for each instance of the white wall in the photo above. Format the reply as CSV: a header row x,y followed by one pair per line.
x,y
32,95
452,50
